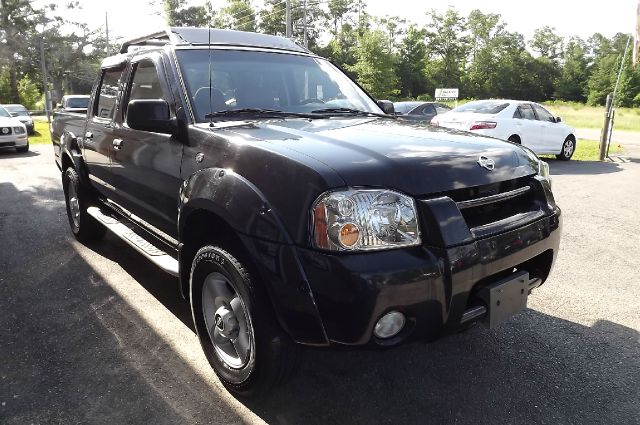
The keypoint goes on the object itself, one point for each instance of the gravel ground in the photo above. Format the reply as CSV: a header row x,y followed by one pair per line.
x,y
94,334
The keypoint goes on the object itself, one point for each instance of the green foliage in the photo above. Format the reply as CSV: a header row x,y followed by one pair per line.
x,y
572,83
375,65
237,15
413,59
29,93
180,15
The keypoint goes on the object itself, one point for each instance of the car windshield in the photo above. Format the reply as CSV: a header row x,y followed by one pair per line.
x,y
17,110
482,107
246,80
405,107
78,102
4,113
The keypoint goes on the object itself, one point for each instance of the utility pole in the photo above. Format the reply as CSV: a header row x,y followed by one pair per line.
x,y
288,15
106,25
45,81
304,25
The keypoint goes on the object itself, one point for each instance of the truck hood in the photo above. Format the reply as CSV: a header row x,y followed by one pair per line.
x,y
410,157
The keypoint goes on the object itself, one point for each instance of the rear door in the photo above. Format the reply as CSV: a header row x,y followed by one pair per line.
x,y
146,165
99,132
532,131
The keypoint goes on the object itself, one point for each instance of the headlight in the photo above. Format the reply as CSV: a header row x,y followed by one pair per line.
x,y
364,219
18,130
543,170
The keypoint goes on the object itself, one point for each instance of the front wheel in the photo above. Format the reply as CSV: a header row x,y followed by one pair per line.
x,y
236,326
568,148
84,227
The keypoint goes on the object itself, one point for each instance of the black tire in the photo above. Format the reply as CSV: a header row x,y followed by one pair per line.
x,y
272,357
568,148
84,227
514,139
23,149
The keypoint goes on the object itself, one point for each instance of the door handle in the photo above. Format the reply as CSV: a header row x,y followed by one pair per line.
x,y
117,144
88,135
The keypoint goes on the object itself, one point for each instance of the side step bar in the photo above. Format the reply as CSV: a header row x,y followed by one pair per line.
x,y
158,257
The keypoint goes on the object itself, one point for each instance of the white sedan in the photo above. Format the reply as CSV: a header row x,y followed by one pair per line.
x,y
516,121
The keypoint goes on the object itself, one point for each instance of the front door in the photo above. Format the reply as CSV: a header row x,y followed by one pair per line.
x,y
553,133
146,165
532,131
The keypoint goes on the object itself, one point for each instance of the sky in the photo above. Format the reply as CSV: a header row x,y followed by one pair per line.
x,y
131,18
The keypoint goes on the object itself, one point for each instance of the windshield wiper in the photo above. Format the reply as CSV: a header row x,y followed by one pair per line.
x,y
263,113
349,111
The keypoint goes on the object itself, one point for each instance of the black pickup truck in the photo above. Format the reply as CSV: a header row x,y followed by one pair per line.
x,y
295,209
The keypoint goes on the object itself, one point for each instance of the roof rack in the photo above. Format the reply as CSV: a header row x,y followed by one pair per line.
x,y
214,37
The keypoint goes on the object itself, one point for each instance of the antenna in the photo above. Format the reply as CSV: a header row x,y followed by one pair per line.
x,y
210,82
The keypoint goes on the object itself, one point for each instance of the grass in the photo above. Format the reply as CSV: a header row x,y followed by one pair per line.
x,y
579,115
42,136
588,150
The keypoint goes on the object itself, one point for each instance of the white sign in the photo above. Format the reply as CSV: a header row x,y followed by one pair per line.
x,y
446,94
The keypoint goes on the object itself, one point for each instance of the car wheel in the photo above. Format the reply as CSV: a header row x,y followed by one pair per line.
x,y
568,148
23,149
514,139
236,326
85,228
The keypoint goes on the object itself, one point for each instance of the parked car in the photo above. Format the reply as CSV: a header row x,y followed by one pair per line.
x,y
419,111
292,209
22,114
526,123
13,134
74,103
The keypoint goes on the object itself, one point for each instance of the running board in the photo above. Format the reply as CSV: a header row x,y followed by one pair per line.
x,y
158,257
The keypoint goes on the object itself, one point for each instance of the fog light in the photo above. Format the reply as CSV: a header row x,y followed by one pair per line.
x,y
389,325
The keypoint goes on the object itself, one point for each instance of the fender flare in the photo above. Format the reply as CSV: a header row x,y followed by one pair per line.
x,y
246,211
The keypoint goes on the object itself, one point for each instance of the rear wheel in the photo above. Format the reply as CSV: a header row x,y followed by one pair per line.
x,y
568,148
84,227
236,325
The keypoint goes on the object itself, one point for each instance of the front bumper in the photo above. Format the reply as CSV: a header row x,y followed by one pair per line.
x,y
432,286
13,141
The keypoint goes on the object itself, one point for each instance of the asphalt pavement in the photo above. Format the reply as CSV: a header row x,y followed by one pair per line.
x,y
95,334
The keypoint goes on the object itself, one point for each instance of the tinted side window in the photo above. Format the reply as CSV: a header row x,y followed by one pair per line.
x,y
517,113
429,110
543,114
108,93
145,83
526,112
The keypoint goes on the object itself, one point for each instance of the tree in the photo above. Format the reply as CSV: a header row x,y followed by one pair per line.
x,y
447,48
273,17
29,93
178,14
411,64
237,15
572,83
375,65
16,18
547,43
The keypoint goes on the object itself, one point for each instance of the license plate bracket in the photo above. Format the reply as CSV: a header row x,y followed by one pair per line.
x,y
505,298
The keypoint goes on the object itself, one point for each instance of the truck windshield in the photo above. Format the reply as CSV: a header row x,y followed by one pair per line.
x,y
269,81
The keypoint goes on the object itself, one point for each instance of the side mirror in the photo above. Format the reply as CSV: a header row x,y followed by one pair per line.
x,y
150,115
558,119
387,107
